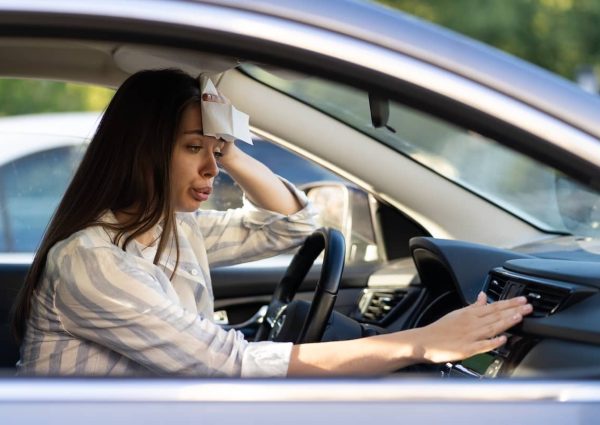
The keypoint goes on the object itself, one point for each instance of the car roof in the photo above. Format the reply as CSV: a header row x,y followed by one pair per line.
x,y
444,48
370,22
37,132
103,43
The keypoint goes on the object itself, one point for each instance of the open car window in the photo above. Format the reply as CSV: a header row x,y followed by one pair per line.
x,y
41,151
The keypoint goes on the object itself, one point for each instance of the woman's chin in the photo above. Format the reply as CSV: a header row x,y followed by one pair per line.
x,y
188,207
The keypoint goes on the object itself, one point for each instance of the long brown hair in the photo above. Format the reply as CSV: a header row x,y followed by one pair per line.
x,y
126,167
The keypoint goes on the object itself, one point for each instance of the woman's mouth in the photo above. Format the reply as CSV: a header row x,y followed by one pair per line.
x,y
201,194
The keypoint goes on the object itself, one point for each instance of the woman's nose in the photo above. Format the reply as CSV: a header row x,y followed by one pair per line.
x,y
209,167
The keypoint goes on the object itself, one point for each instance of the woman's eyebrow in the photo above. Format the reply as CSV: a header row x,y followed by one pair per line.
x,y
197,131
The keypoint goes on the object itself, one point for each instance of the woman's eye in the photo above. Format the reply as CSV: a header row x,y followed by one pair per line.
x,y
218,155
194,148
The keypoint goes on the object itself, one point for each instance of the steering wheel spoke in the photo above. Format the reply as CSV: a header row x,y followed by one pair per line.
x,y
314,319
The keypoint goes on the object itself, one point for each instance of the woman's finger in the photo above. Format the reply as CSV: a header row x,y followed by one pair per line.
x,y
491,318
486,345
213,98
501,324
493,308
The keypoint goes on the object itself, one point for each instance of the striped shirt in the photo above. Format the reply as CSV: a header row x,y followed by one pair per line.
x,y
100,310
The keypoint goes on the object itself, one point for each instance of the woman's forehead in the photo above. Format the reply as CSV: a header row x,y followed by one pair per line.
x,y
191,118
191,124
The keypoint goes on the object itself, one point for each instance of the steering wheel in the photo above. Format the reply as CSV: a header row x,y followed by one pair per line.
x,y
299,321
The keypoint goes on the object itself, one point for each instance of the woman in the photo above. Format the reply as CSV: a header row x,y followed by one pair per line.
x,y
121,285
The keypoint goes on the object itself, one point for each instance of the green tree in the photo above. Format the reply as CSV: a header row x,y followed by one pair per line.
x,y
37,96
559,35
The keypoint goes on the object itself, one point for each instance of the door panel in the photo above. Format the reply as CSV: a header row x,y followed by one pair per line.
x,y
241,290
11,279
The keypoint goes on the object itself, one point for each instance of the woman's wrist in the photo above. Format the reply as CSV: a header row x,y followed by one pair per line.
x,y
405,347
416,338
231,155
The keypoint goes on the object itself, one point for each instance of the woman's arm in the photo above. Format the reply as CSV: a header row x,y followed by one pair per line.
x,y
458,335
259,183
115,301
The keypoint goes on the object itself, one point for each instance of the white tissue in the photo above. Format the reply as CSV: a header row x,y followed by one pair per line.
x,y
221,120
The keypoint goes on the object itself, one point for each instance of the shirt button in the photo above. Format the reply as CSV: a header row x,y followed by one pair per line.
x,y
194,272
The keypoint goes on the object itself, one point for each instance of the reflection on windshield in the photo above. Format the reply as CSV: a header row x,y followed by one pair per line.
x,y
528,189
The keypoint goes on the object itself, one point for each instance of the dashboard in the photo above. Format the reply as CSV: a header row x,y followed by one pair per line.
x,y
560,339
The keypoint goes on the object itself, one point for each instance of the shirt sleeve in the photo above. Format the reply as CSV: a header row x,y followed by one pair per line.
x,y
251,233
106,297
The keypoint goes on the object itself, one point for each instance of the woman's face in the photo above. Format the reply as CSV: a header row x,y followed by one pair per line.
x,y
194,162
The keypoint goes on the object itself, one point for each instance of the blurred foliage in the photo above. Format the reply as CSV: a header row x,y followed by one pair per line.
x,y
37,96
559,35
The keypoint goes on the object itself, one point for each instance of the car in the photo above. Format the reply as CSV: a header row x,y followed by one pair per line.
x,y
464,169
36,164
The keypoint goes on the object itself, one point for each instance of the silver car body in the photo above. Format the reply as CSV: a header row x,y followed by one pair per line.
x,y
102,42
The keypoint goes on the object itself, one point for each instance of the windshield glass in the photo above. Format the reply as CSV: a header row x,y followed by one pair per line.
x,y
535,192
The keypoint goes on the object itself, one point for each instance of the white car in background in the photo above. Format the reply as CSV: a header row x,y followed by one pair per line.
x,y
37,160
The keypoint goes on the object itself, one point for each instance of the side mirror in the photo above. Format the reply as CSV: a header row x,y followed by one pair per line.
x,y
347,209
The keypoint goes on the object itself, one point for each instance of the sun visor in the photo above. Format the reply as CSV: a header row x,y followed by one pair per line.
x,y
132,58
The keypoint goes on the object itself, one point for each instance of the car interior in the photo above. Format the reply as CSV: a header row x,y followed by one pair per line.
x,y
436,238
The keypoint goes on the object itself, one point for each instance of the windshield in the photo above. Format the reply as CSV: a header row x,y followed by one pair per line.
x,y
537,193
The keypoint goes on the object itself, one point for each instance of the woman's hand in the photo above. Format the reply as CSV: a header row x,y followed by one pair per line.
x,y
259,183
470,330
229,149
456,336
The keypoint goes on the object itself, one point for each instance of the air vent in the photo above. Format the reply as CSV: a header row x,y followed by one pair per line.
x,y
495,288
544,299
374,306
